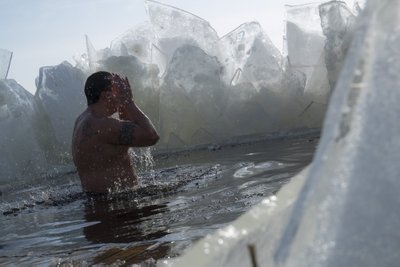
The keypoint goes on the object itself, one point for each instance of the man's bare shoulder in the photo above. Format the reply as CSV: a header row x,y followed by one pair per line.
x,y
88,126
97,123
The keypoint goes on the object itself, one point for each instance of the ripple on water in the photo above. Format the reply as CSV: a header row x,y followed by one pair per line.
x,y
252,169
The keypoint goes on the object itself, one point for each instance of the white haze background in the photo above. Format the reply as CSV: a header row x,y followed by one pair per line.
x,y
47,32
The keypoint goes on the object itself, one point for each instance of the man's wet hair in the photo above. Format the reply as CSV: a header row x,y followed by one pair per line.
x,y
95,84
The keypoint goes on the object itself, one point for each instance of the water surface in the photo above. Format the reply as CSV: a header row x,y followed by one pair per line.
x,y
185,197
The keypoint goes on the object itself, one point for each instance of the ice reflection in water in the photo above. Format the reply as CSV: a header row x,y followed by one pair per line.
x,y
192,194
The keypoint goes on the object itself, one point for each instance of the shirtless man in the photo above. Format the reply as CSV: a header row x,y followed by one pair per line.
x,y
100,143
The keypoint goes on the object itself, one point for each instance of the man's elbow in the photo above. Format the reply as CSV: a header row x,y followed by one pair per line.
x,y
153,139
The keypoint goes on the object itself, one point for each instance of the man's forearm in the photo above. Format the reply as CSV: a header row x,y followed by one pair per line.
x,y
130,112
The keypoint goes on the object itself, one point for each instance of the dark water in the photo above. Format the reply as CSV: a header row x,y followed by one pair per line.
x,y
187,196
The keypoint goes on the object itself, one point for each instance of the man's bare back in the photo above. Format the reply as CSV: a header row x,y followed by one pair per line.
x,y
100,143
100,165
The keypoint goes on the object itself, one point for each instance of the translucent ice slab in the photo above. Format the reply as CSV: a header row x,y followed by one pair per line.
x,y
343,210
174,27
21,153
5,61
61,98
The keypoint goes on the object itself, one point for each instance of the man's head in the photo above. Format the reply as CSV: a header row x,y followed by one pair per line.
x,y
96,84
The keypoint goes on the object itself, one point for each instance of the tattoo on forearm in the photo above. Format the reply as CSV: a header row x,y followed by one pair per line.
x,y
126,135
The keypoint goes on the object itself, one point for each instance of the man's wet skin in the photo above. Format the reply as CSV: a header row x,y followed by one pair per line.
x,y
100,143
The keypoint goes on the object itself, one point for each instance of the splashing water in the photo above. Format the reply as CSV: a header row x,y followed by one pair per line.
x,y
143,161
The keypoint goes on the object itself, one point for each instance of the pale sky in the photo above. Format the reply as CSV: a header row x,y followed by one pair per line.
x,y
47,32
